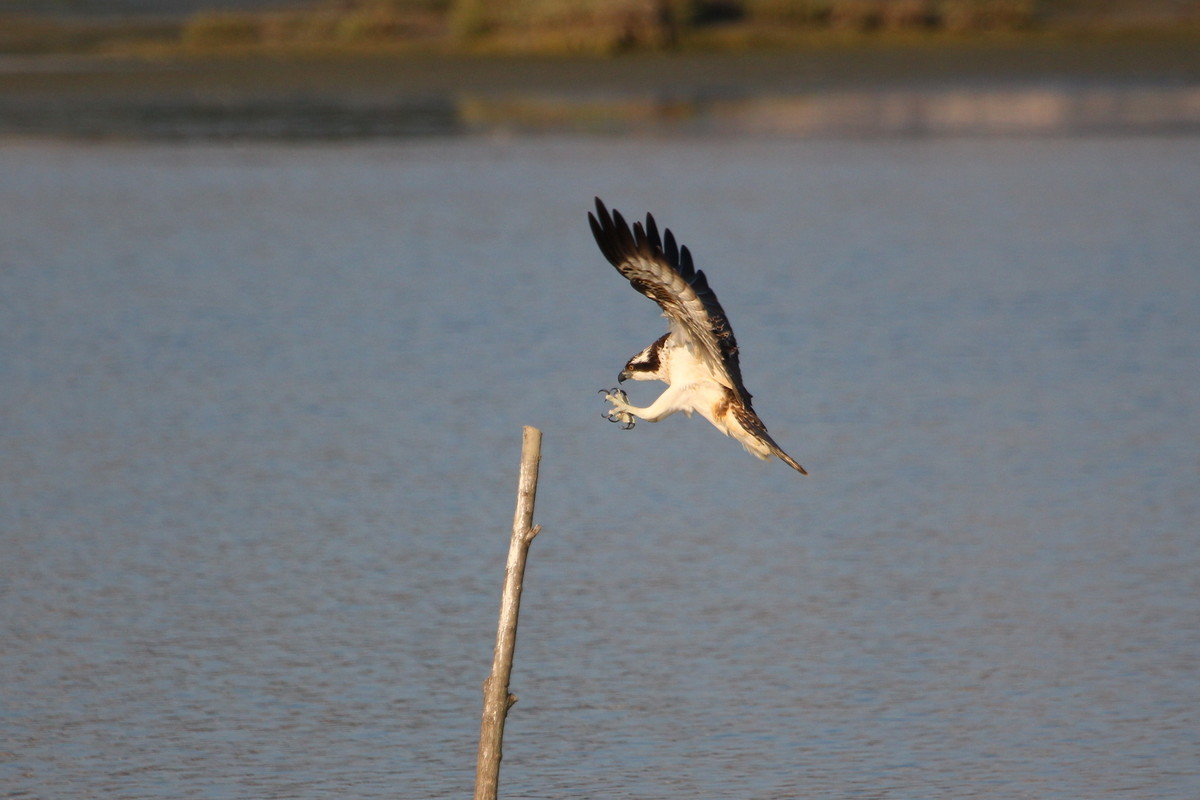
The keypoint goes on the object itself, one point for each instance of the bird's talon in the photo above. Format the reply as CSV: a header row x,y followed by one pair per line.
x,y
617,413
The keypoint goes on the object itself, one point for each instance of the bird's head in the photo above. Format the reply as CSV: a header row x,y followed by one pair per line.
x,y
648,365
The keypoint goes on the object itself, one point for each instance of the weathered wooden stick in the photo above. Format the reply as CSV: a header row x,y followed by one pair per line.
x,y
496,699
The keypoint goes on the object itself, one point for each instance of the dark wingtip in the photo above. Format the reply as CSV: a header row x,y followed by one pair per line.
x,y
670,248
622,236
652,233
686,267
617,238
640,240
605,232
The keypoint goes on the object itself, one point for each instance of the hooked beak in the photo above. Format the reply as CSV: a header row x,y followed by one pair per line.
x,y
621,377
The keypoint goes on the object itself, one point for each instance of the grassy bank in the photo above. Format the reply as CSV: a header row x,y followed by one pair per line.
x,y
355,27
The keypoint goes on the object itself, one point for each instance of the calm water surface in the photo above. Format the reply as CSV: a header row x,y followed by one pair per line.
x,y
262,409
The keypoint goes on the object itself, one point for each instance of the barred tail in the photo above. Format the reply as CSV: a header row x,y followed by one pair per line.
x,y
791,462
754,427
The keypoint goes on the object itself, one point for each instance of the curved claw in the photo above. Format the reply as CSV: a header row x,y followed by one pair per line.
x,y
624,418
626,424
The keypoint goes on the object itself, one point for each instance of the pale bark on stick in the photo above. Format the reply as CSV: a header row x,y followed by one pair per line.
x,y
496,699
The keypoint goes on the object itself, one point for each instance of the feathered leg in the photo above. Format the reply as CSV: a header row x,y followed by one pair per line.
x,y
660,409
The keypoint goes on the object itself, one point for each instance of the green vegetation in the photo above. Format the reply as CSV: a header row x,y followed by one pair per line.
x,y
27,35
594,26
334,23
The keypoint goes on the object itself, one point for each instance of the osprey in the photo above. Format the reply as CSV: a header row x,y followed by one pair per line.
x,y
698,357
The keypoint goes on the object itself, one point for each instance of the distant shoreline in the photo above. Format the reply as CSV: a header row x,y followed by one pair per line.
x,y
462,28
404,94
1167,56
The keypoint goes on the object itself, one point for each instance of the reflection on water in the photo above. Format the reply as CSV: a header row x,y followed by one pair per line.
x,y
262,414
976,111
1028,111
869,113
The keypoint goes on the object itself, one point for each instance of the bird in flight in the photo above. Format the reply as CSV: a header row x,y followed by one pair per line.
x,y
697,357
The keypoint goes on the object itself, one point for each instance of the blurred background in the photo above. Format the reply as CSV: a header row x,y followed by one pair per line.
x,y
382,68
280,284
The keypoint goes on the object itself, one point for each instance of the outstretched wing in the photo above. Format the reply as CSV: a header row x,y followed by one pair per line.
x,y
660,269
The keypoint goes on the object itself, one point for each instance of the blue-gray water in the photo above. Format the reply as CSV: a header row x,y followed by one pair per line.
x,y
262,409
